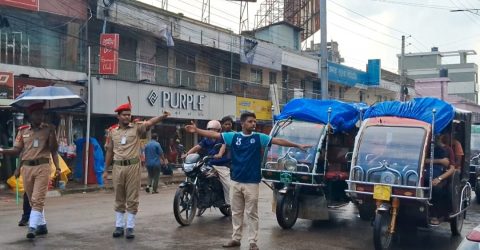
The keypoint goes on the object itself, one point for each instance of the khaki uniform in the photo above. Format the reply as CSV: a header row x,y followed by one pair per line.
x,y
126,165
36,145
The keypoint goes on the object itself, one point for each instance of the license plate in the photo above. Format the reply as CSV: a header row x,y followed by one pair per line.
x,y
382,192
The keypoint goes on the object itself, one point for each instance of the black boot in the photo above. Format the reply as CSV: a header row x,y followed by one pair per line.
x,y
23,222
41,230
31,233
118,232
130,234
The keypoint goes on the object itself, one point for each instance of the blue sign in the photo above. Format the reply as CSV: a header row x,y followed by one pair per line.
x,y
349,76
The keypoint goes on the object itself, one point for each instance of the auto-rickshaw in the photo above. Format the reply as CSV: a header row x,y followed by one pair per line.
x,y
475,161
306,183
389,180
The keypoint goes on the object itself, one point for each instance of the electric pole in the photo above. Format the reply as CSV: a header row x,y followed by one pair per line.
x,y
402,72
323,49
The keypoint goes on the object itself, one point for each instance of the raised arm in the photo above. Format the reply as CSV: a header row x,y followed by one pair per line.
x,y
286,143
194,149
150,123
192,128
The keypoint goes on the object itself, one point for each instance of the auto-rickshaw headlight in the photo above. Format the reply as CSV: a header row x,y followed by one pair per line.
x,y
388,178
291,164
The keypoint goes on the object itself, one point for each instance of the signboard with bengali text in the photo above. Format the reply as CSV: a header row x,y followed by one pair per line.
x,y
109,54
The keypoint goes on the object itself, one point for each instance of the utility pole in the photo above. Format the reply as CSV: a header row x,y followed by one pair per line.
x,y
402,72
323,49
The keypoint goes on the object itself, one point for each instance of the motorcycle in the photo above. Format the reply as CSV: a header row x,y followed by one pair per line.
x,y
201,190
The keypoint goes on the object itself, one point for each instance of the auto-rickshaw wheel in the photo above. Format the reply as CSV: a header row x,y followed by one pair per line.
x,y
477,192
287,210
382,238
456,224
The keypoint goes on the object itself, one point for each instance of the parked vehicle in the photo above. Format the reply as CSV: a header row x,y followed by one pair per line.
x,y
475,161
306,184
471,240
201,190
388,178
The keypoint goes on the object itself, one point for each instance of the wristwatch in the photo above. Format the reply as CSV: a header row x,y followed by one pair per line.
x,y
439,178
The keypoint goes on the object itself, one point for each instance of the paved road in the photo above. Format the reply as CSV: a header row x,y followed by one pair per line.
x,y
85,221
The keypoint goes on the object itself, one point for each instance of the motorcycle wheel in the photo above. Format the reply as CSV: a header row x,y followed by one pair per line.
x,y
286,210
226,210
382,238
184,206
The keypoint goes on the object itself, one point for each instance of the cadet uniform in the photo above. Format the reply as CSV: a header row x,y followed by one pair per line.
x,y
36,144
125,143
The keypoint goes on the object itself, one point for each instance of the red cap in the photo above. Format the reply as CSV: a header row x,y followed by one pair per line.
x,y
35,107
124,107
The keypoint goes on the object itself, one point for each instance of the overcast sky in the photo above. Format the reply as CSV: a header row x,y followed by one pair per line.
x,y
371,29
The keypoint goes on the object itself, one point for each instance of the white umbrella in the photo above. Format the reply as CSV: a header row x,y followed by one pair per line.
x,y
53,97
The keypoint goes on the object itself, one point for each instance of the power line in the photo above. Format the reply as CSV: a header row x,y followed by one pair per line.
x,y
421,5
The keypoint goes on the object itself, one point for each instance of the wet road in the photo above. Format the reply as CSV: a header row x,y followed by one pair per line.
x,y
85,221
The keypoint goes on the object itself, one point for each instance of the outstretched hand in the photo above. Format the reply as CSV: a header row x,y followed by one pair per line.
x,y
192,128
304,147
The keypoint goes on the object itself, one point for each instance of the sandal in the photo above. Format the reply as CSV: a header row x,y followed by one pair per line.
x,y
434,221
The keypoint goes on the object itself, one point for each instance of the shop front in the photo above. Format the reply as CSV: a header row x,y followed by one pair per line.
x,y
152,100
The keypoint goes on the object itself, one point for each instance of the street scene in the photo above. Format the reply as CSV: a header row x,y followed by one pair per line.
x,y
239,124
83,221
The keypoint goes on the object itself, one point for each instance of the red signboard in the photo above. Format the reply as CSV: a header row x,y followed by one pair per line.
x,y
6,85
22,84
109,44
24,4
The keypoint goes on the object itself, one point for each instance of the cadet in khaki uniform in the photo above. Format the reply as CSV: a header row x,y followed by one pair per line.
x,y
123,150
36,143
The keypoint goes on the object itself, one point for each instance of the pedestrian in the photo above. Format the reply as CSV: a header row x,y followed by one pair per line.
x,y
227,124
36,143
123,149
172,152
246,150
154,159
220,160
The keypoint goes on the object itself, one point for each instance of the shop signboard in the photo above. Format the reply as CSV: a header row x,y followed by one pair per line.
x,y
261,108
22,4
6,85
109,44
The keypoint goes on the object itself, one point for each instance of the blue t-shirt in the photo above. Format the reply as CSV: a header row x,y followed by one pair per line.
x,y
208,145
246,153
153,151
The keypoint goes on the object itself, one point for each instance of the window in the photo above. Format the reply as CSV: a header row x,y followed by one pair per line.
x,y
361,96
341,92
273,78
256,75
331,91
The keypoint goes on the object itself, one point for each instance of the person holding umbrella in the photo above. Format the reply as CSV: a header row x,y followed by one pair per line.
x,y
123,150
36,143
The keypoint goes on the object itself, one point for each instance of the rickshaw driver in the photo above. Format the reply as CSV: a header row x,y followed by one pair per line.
x,y
442,170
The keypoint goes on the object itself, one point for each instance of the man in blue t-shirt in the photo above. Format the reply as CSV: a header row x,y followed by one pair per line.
x,y
246,151
154,158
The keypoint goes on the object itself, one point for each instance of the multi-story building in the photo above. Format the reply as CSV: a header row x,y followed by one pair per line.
x,y
463,75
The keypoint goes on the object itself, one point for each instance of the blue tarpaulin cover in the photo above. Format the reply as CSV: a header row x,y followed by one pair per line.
x,y
344,116
418,109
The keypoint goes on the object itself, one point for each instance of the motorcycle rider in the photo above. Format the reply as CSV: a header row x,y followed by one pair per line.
x,y
220,160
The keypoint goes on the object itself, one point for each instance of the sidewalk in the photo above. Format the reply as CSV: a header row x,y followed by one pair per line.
x,y
76,187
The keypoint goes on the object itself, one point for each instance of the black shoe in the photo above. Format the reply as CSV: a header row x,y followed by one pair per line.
x,y
31,233
41,230
23,222
118,232
130,234
147,189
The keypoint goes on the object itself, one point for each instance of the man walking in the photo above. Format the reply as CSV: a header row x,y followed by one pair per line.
x,y
36,143
246,148
154,158
123,150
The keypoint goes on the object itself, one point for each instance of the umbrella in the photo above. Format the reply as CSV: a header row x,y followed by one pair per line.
x,y
54,98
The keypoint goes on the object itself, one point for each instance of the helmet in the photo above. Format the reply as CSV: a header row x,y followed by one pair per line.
x,y
214,124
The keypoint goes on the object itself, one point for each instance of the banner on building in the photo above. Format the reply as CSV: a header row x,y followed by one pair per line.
x,y
261,108
6,85
22,4
109,45
260,53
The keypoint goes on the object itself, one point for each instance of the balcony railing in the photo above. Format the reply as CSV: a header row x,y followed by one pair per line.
x,y
135,71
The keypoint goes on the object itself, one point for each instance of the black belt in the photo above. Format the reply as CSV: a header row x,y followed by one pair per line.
x,y
36,162
126,162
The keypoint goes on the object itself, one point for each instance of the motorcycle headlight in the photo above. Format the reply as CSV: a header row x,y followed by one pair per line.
x,y
188,167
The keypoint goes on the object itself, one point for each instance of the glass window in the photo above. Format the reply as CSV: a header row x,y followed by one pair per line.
x,y
273,78
256,75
